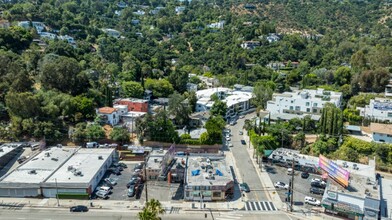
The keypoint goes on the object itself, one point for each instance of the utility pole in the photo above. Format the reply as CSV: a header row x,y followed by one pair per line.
x,y
292,187
145,176
57,193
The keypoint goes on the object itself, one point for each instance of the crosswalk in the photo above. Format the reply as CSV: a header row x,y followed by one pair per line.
x,y
265,206
228,216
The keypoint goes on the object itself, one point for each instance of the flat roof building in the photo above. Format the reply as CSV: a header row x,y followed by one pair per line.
x,y
75,170
301,103
8,152
208,179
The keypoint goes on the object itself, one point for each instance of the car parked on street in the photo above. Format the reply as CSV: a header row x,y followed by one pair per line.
x,y
281,185
244,187
79,208
123,165
312,201
243,142
317,191
241,132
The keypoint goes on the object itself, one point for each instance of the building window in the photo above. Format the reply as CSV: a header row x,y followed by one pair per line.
x,y
314,104
388,135
307,103
291,107
216,194
314,110
187,193
307,109
292,101
297,108
390,114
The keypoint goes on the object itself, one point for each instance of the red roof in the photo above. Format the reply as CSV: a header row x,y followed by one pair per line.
x,y
107,110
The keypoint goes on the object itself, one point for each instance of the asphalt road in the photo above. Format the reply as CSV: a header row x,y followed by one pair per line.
x,y
62,214
243,162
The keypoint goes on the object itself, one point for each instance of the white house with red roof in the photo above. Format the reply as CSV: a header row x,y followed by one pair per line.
x,y
110,115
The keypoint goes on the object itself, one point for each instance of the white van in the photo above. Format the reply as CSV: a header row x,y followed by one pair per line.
x,y
92,145
290,171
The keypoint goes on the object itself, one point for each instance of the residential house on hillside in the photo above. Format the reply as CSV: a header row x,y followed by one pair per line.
x,y
109,115
298,104
39,26
381,132
272,37
250,45
180,9
217,25
112,32
133,104
378,109
191,87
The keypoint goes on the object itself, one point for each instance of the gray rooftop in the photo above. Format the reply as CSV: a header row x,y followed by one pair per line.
x,y
209,178
6,148
39,168
87,161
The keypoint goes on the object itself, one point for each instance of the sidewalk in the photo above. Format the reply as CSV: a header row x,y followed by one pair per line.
x,y
265,180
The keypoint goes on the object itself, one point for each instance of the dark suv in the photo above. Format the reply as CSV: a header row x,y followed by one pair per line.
x,y
317,191
318,185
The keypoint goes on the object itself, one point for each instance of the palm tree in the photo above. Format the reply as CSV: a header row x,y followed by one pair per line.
x,y
151,211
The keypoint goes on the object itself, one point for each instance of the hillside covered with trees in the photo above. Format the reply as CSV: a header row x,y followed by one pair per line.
x,y
48,86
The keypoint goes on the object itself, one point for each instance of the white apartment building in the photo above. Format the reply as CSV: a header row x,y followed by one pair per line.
x,y
236,101
298,104
378,109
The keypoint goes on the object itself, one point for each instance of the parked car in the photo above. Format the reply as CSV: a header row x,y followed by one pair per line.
x,y
134,182
138,167
115,170
228,139
243,142
242,116
92,145
312,201
317,191
102,194
232,123
290,171
318,185
314,180
230,145
244,187
281,185
105,188
305,175
79,208
131,191
241,132
111,181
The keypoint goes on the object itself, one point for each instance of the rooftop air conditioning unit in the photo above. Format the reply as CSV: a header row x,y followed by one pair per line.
x,y
32,172
55,159
100,158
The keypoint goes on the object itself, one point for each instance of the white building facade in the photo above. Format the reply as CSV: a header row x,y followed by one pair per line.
x,y
302,103
378,109
236,101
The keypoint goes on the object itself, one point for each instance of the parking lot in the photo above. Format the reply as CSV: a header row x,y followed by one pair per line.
x,y
120,190
301,186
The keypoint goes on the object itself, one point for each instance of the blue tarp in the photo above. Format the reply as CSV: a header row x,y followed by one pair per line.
x,y
219,173
195,172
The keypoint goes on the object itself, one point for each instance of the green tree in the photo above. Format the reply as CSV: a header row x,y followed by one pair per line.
x,y
159,88
219,108
342,76
151,210
262,93
132,89
179,109
94,132
179,79
119,134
